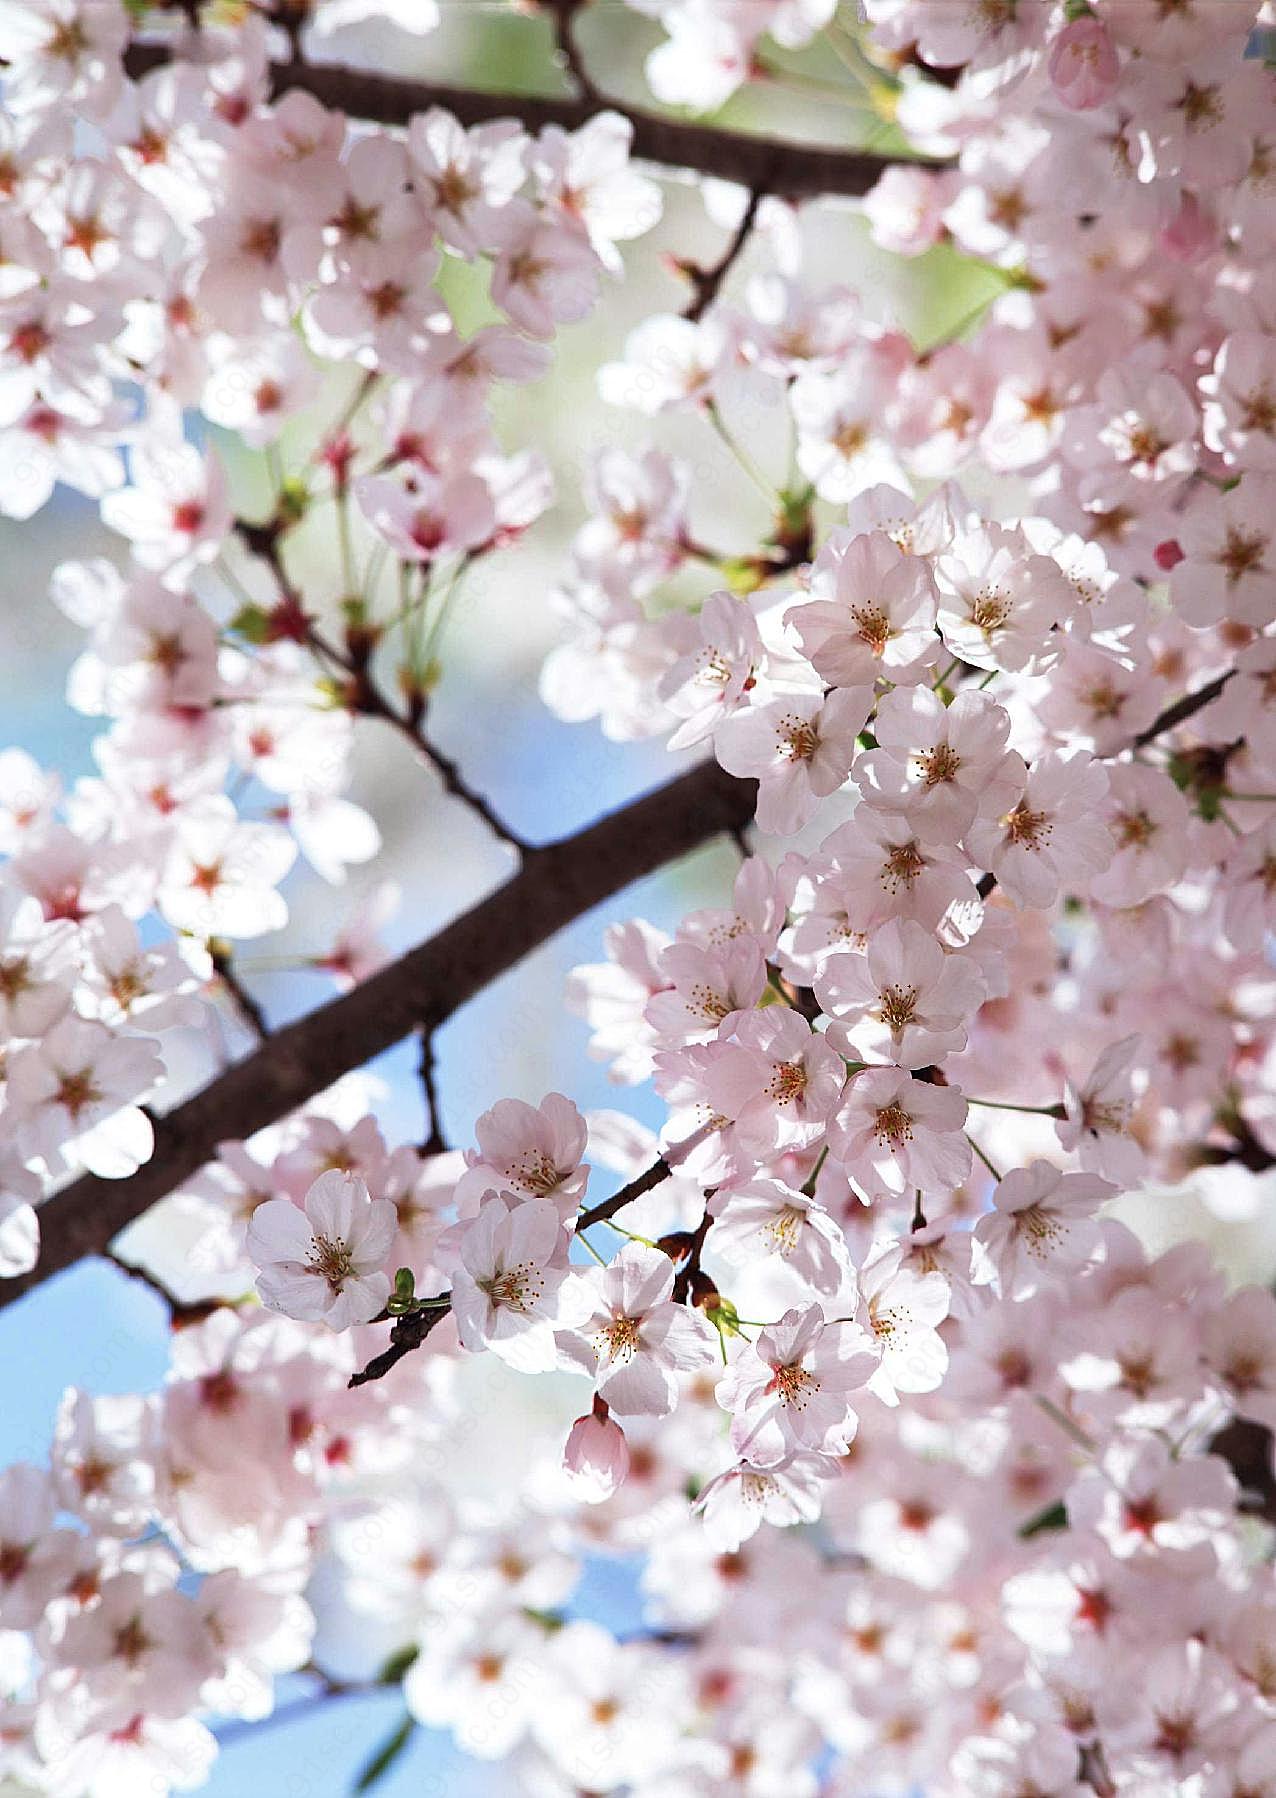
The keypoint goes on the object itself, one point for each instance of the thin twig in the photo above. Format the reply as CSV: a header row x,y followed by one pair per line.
x,y
367,697
435,1142
454,781
1184,708
409,1332
303,1706
248,1008
599,1214
569,50
706,282
182,1312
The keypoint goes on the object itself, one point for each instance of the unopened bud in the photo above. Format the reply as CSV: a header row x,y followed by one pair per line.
x,y
596,1455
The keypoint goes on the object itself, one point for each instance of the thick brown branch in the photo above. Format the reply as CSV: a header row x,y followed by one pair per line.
x,y
795,171
419,991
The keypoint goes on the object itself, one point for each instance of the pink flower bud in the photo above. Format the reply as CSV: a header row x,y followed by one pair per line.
x,y
596,1456
1083,64
1192,233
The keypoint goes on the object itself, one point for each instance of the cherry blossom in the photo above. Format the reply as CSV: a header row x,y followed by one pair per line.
x,y
627,1332
324,1260
1042,1227
506,1266
1051,837
878,619
768,1217
894,1133
787,1392
904,1000
800,750
596,1455
912,1415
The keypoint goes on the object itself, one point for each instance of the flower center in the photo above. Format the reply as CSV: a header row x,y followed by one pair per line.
x,y
331,1258
939,765
1026,828
533,1172
1242,553
785,1229
989,609
514,1288
874,627
1134,830
787,1083
898,1007
77,1090
893,1125
15,976
793,1385
1258,410
1039,1230
797,738
619,1340
131,1642
902,865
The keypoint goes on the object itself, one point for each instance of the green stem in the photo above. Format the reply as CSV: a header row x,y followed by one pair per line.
x,y
988,1164
741,455
1045,1111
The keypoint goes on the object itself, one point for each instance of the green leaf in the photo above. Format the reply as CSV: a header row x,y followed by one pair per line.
x,y
396,1665
252,623
403,1298
386,1755
1054,1517
550,1621
294,497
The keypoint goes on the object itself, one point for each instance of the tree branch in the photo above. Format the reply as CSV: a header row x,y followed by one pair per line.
x,y
249,1010
435,1143
707,281
409,1332
560,883
794,171
599,1214
569,51
1184,708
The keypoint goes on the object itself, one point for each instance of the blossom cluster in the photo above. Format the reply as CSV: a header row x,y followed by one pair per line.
x,y
932,1467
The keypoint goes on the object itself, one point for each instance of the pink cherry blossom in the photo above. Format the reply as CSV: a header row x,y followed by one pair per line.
x,y
1050,839
765,1217
1083,64
325,1260
788,1391
904,1000
506,1266
596,1457
871,615
800,750
626,1332
1042,1227
894,1134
